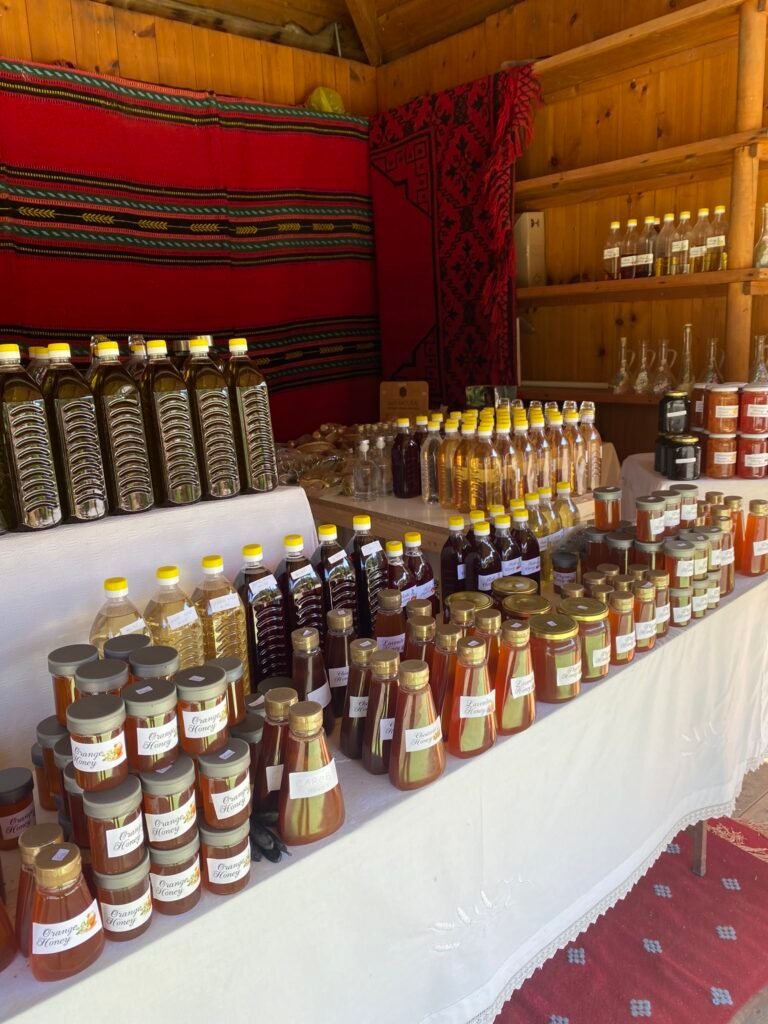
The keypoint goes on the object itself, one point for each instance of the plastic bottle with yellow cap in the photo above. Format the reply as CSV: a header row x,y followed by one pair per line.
x,y
252,419
541,446
578,452
265,616
530,555
370,565
336,571
453,558
302,588
445,462
173,619
429,451
29,494
136,363
483,562
213,424
38,362
528,458
118,616
422,571
406,467
461,464
222,614
399,576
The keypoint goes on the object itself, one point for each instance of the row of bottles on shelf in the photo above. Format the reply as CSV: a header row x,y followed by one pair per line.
x,y
669,249
128,436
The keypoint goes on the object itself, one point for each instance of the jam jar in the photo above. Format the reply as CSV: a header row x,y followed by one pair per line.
x,y
721,456
752,456
151,727
620,549
125,901
17,805
565,566
97,677
159,662
680,601
683,458
556,654
679,562
688,508
97,729
699,598
226,858
175,877
753,409
225,785
672,503
722,409
115,827
651,519
702,548
607,508
594,634
74,800
202,708
715,536
233,670
713,589
660,579
661,455
62,664
650,554
674,413
593,579
49,732
170,808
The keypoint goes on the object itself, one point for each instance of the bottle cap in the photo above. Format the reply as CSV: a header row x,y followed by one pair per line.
x,y
384,664
116,586
306,717
279,700
508,585
123,646
390,600
198,345
733,502
584,609
615,225
157,347
455,523
422,421
224,839
704,211
462,613
650,220
520,515
554,626
149,697
361,652
37,351
516,503
485,431
212,564
621,601
152,662
418,606
532,500
413,674
758,507
571,416
659,578
59,351
451,426
16,783
669,218
607,570
545,492
403,421
200,683
33,839
433,426
525,605
361,523
293,544
483,529
472,650
102,676
167,575
644,590
495,510
719,209
107,350
412,539
305,640
327,532
488,620
65,661
447,636
115,802
685,215
253,553
229,760
503,521
93,715
56,866
422,628
340,619
9,353
394,549
632,222
476,515
238,346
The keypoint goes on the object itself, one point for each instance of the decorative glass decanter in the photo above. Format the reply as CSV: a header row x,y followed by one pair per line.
x,y
663,379
687,380
647,359
622,380
714,364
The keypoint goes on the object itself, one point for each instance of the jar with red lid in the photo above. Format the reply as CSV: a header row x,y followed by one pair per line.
x,y
202,708
125,901
98,677
151,726
649,553
660,579
170,807
699,413
97,729
49,732
63,663
115,827
251,729
75,812
721,456
607,507
17,805
556,655
651,518
752,456
722,409
620,549
175,877
226,858
594,635
161,662
753,409
225,785
233,670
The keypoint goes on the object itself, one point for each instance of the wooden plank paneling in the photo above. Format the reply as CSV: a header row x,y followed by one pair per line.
x,y
95,41
175,54
51,34
136,45
14,30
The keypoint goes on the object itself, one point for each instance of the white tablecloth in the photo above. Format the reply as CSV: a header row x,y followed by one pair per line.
x,y
433,906
638,478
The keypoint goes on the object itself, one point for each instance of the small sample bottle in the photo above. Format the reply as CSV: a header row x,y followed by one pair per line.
x,y
681,599
117,616
311,804
222,614
337,572
309,674
125,902
226,858
380,716
97,730
202,709
234,673
356,693
556,654
514,682
621,617
265,616
170,807
32,841
443,669
417,757
269,768
472,721
151,728
371,571
115,827
420,641
389,628
364,474
175,877
212,421
62,664
173,619
337,654
17,805
301,586
445,457
225,785
645,615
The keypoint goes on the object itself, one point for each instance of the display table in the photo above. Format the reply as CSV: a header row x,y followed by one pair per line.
x,y
434,906
52,583
638,477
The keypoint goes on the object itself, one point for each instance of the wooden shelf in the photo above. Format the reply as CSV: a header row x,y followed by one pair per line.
x,y
648,289
673,33
678,165
543,393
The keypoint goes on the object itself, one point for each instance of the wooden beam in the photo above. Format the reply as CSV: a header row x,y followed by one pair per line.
x,y
363,14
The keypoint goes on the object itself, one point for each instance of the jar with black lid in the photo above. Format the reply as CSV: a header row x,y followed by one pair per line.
x,y
684,457
661,454
674,413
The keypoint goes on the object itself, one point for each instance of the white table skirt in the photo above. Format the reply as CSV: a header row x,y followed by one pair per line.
x,y
434,906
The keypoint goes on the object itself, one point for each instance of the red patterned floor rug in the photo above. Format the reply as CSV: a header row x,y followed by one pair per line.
x,y
678,950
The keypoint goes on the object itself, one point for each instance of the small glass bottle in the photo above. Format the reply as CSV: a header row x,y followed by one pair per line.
x,y
621,616
170,807
628,255
453,558
418,756
645,252
226,858
681,604
269,769
645,615
556,654
117,616
565,509
382,464
755,551
337,657
173,619
125,902
309,674
594,635
406,467
97,730
727,555
175,877
612,253
702,231
31,842
415,561
472,714
356,694
225,785
389,629
364,487
380,716
202,709
311,803
399,576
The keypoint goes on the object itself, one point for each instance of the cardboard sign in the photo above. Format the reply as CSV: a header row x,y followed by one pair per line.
x,y
403,398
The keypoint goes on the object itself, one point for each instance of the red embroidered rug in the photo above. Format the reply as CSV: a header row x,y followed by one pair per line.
x,y
442,172
678,950
133,208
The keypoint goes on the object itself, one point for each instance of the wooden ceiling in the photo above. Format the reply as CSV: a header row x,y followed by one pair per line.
x,y
375,31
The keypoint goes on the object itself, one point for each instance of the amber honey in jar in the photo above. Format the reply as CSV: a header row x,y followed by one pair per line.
x,y
713,589
607,508
591,616
202,708
63,663
672,505
225,785
97,729
755,548
160,662
660,580
311,803
250,730
226,858
125,901
115,827
122,647
651,518
556,653
689,494
752,456
31,842
62,756
99,677
74,794
418,755
649,554
645,615
44,794
269,770
565,566
595,550
523,608
722,409
151,727
509,586
170,808
514,683
702,547
233,670
621,616
680,600
679,556
17,805
753,409
175,877
619,544
722,450
49,732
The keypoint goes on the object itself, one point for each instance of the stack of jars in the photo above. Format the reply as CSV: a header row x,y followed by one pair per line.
x,y
731,424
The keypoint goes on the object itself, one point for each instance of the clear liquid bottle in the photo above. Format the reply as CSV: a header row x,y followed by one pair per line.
x,y
484,471
758,367
445,459
29,494
173,619
561,451
371,572
179,352
565,509
222,614
429,453
309,674
540,529
453,559
714,364
623,380
472,716
645,253
594,448
399,576
406,468
687,379
681,245
629,243
529,465
414,560
663,262
506,546
117,616
75,435
364,474
305,818
382,462
212,420
301,586
337,571
483,561
612,253
136,363
702,232
265,616
123,436
530,555
509,461
543,451
716,256
168,418
461,463
578,447
252,421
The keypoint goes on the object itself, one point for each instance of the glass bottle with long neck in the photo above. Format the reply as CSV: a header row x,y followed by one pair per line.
x,y
443,669
488,628
483,562
554,525
123,435
406,468
370,569
309,674
472,722
680,261
399,576
265,616
687,379
565,509
530,555
461,464
527,455
252,421
364,475
75,434
510,462
417,756
562,470
337,657
169,421
337,572
628,257
543,451
484,471
578,447
646,249
453,559
29,494
540,529
594,449
356,698
269,767
213,425
118,616
380,715
445,458
311,805
301,586
702,231
428,456
173,619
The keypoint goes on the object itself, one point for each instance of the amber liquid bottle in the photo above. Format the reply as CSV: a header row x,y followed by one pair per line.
x,y
755,548
422,571
264,614
472,721
530,557
443,669
417,757
488,628
311,804
507,547
309,675
399,576
301,587
356,698
380,716
389,629
370,565
337,656
514,682
212,420
420,639
269,768
453,560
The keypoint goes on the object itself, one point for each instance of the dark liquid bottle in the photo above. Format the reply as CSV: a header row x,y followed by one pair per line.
x,y
308,673
530,558
249,400
301,587
422,571
265,616
420,639
507,547
453,560
441,674
389,628
371,571
337,657
356,698
380,717
399,576
269,767
406,463
212,419
483,562
337,572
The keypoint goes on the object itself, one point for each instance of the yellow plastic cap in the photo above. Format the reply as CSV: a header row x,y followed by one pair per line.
x,y
60,347
198,344
361,522
393,548
455,522
520,515
650,220
107,348
253,551
212,563
157,346
571,416
476,515
563,487
37,351
452,426
720,209
438,416
556,419
9,352
545,492
403,421
495,510
516,503
615,225
503,521
327,531
531,499
412,539
422,421
686,214
482,529
669,218
704,211
293,542
116,585
238,345
168,573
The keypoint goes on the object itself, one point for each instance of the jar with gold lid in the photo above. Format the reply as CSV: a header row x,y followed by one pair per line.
x,y
623,582
608,570
683,458
418,754
63,663
125,902
679,558
591,616
32,840
672,505
175,877
593,578
621,617
97,730
620,549
573,590
225,785
514,683
755,556
170,807
556,653
638,572
151,726
601,592
645,615
524,607
713,589
509,586
311,805
680,601
478,598
463,615
226,858
660,580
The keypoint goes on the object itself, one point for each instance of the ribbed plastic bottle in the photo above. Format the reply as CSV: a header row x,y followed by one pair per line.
x,y
173,619
422,571
594,447
249,399
337,572
265,616
38,362
461,458
212,419
118,616
75,435
123,435
445,457
528,458
29,494
302,588
136,363
371,572
222,614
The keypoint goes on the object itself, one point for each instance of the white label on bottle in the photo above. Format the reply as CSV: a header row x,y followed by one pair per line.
x,y
425,590
662,614
201,724
337,556
358,707
386,728
461,572
727,412
560,578
274,774
305,570
56,938
371,548
645,630
601,656
627,261
522,686
231,869
302,785
698,251
510,566
684,567
759,411
672,517
643,259
612,253
699,406
658,525
391,643
759,548
477,707
700,566
569,675
408,595
681,245
133,627
265,583
185,617
158,740
625,644
699,602
14,824
232,801
167,825
424,738
124,840
716,242
338,677
529,566
689,461
125,917
681,615
98,757
674,413
544,542
485,583
756,461
322,695
169,888
727,556
724,458
713,593
715,558
689,512
224,603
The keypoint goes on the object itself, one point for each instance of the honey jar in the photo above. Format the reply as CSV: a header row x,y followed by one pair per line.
x,y
97,729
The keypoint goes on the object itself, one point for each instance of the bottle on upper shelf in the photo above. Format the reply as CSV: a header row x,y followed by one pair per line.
x,y
680,259
629,245
212,421
664,242
702,232
612,253
406,468
645,253
716,256
251,420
